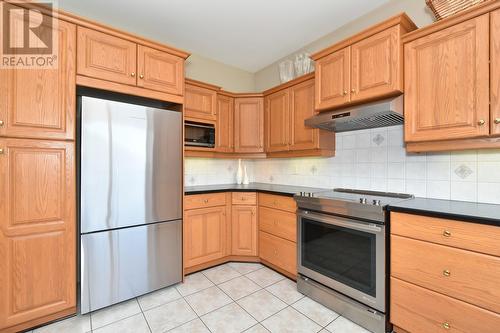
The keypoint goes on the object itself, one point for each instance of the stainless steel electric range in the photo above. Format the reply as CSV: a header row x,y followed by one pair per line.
x,y
342,252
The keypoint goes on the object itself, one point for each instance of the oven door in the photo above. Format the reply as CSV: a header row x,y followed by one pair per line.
x,y
344,254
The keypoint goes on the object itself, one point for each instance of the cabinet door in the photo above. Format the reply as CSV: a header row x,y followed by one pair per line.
x,y
204,235
376,65
37,230
200,103
106,57
333,79
249,125
301,108
277,121
447,83
160,71
40,103
494,72
244,230
224,137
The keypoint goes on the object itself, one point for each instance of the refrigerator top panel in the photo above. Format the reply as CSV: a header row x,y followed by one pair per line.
x,y
131,165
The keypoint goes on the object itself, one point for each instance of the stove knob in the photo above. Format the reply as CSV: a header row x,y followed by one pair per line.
x,y
376,202
362,200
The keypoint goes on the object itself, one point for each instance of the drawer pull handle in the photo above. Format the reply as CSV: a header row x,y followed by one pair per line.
x,y
446,273
446,233
205,201
446,326
275,252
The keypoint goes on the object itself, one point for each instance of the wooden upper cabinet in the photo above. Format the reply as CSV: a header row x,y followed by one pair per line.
x,y
160,71
494,72
301,108
447,83
40,103
224,136
376,65
204,235
248,125
37,231
244,230
200,103
106,57
333,79
277,121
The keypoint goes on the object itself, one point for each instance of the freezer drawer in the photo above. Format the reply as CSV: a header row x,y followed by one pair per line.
x,y
121,264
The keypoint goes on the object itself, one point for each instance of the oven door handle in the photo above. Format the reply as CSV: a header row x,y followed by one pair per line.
x,y
338,221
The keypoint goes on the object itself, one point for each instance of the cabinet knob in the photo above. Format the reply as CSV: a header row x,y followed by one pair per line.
x,y
446,233
353,90
446,273
1,151
446,326
141,76
345,92
1,122
132,74
481,122
497,121
205,201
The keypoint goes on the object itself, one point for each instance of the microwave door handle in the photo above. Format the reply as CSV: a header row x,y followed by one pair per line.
x,y
340,222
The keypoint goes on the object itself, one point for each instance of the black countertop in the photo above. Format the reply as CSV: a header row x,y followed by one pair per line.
x,y
455,210
252,187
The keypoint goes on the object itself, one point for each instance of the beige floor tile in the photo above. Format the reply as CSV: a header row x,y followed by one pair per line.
x,y
261,304
257,329
221,274
239,287
158,297
193,283
265,277
169,316
245,267
286,290
229,319
208,300
290,320
194,326
343,325
114,313
76,324
315,311
134,324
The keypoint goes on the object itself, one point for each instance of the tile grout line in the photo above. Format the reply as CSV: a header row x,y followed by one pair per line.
x,y
197,317
113,322
144,315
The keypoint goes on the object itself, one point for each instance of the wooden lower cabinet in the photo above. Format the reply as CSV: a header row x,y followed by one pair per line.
x,y
444,275
278,251
204,235
419,310
37,232
244,230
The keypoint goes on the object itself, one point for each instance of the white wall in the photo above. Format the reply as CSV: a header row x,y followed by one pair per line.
x,y
376,160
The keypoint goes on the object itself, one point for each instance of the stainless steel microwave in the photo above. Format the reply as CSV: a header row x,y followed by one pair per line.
x,y
199,134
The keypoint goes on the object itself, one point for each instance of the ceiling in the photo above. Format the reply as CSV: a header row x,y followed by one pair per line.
x,y
248,34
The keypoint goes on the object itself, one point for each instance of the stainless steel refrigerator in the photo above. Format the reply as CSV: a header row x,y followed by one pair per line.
x,y
130,200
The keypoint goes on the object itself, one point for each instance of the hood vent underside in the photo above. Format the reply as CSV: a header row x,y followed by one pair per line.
x,y
384,113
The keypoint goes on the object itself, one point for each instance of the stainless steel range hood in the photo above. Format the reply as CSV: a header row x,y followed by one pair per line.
x,y
388,112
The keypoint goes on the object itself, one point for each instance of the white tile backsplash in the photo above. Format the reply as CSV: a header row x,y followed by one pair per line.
x,y
370,159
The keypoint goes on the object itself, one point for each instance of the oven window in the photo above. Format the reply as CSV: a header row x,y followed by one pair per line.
x,y
345,255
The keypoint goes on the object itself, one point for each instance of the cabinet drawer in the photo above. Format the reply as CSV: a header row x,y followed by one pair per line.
x,y
278,223
469,276
277,202
419,310
469,236
278,251
244,198
204,200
